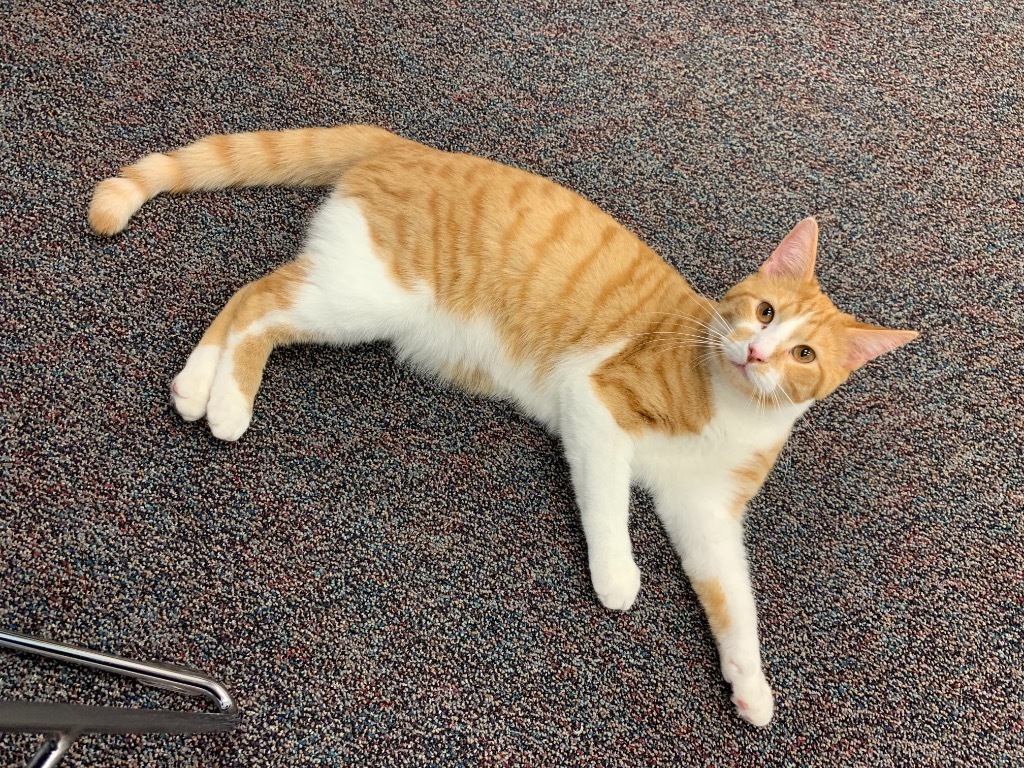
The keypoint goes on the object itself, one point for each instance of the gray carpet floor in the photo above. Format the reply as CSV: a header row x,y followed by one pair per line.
x,y
387,572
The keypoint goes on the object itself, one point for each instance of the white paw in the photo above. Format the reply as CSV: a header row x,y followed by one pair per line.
x,y
616,581
190,389
753,699
228,413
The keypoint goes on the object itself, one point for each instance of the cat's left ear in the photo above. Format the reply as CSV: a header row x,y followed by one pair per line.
x,y
794,258
866,342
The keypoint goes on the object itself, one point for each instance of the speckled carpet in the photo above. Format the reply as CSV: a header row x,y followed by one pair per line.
x,y
386,572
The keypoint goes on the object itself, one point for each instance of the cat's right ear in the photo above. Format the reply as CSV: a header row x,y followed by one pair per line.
x,y
794,258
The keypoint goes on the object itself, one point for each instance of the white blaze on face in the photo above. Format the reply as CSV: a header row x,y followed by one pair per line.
x,y
776,336
765,343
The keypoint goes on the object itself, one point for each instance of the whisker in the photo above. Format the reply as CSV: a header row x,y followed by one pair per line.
x,y
674,334
702,360
693,329
670,347
689,318
650,338
784,392
663,345
721,319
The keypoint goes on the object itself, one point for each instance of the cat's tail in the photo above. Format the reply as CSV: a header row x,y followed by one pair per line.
x,y
306,157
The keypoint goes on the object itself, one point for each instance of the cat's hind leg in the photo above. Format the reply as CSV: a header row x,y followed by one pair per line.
x,y
337,292
223,373
190,390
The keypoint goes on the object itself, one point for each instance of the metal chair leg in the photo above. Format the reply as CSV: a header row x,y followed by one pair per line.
x,y
52,751
64,723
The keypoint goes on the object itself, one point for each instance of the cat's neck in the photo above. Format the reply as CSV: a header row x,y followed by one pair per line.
x,y
740,407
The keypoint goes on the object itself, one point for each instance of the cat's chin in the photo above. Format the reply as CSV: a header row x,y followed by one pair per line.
x,y
738,375
749,384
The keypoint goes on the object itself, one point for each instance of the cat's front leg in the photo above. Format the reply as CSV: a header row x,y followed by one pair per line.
x,y
709,540
599,454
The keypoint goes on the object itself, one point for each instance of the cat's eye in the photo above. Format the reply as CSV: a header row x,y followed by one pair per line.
x,y
765,312
803,353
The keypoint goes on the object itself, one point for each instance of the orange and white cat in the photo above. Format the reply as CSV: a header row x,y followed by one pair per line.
x,y
512,286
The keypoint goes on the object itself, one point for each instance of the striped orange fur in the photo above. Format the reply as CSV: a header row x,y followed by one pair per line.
x,y
553,270
510,285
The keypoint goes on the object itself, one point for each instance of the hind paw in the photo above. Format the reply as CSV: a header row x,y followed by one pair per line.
x,y
190,389
228,413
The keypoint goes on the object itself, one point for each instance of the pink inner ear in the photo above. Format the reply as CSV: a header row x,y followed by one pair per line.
x,y
866,344
794,258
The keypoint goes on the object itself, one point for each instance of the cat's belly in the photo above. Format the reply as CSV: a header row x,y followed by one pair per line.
x,y
352,296
471,354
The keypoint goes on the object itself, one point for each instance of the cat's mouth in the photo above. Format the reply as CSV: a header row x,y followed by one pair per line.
x,y
743,370
754,379
750,377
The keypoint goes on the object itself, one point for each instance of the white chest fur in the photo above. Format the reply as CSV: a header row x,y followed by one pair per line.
x,y
701,465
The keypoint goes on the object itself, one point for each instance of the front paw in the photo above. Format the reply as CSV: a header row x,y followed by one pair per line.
x,y
616,581
753,699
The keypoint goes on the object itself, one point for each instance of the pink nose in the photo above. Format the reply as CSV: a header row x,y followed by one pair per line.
x,y
756,355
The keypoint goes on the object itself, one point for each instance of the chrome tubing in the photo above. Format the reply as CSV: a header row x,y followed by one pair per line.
x,y
64,723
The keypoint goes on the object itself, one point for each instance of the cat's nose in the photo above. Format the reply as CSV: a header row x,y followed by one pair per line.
x,y
756,354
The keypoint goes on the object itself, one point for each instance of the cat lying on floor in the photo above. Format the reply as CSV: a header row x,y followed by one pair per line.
x,y
512,286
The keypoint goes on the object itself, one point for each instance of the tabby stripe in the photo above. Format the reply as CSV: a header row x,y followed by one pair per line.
x,y
435,240
518,191
509,235
307,146
137,177
557,232
663,369
402,254
656,288
571,282
748,294
401,195
466,250
608,287
269,149
401,235
220,150
453,255
635,403
474,264
621,390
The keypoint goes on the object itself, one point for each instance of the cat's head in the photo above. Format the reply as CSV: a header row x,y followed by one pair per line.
x,y
780,338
